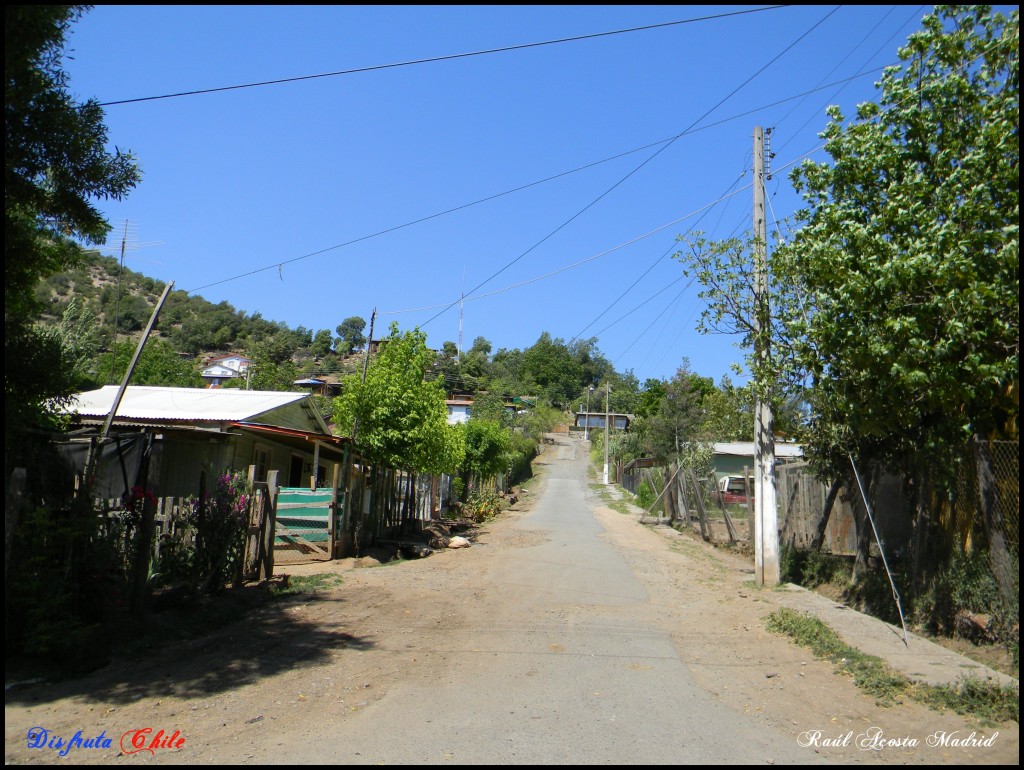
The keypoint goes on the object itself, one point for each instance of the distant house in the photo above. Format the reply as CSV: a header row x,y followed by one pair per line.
x,y
589,421
731,457
458,410
219,370
320,386
197,429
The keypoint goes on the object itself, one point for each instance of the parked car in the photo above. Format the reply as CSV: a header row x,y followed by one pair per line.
x,y
733,489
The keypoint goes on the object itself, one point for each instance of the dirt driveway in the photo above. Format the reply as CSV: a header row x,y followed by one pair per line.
x,y
293,666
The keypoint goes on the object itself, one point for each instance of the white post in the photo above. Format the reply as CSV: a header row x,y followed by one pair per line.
x,y
607,393
586,419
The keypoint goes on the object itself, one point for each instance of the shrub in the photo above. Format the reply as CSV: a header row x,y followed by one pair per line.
x,y
644,495
220,522
482,506
812,568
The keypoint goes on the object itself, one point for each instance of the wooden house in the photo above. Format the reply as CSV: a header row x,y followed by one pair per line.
x,y
195,430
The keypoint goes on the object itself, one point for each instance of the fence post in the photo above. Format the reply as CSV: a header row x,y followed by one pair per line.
x,y
702,513
730,529
332,524
271,516
681,500
750,502
826,512
670,501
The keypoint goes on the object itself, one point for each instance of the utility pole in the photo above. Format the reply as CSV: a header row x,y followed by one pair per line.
x,y
586,420
607,420
117,304
766,529
90,461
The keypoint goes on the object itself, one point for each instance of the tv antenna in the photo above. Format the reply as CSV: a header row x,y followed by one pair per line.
x,y
129,242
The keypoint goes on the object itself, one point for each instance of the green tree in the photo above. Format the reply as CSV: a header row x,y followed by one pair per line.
x,y
475,366
399,418
908,252
268,371
322,343
486,450
350,335
508,375
679,414
56,164
491,406
551,365
159,365
728,413
79,339
447,368
278,348
650,397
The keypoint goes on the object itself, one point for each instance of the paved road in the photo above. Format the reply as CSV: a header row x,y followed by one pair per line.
x,y
569,668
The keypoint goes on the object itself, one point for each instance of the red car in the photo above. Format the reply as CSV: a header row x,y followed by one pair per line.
x,y
733,489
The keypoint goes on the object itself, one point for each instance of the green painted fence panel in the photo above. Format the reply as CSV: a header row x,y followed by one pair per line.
x,y
304,513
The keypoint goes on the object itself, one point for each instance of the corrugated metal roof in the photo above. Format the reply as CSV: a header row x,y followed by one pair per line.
x,y
746,449
153,403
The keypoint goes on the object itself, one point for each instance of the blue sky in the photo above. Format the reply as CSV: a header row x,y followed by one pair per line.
x,y
542,182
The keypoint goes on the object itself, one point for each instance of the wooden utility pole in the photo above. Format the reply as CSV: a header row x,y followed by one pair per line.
x,y
90,463
766,530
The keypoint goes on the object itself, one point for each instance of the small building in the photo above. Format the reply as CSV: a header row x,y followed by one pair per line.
x,y
591,421
459,410
731,457
197,430
219,370
320,386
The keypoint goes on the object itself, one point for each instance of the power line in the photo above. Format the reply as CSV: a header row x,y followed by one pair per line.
x,y
645,162
660,291
843,85
434,59
654,264
591,258
641,335
560,175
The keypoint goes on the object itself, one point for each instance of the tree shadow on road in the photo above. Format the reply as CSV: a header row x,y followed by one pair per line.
x,y
177,656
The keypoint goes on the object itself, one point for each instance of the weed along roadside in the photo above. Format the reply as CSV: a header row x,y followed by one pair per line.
x,y
986,700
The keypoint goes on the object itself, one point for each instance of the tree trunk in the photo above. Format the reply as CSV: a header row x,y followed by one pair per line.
x,y
670,502
863,528
826,514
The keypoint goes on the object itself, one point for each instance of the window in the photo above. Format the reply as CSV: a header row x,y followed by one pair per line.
x,y
261,459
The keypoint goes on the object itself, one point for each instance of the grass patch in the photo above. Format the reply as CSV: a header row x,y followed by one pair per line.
x,y
970,697
988,702
619,504
306,584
